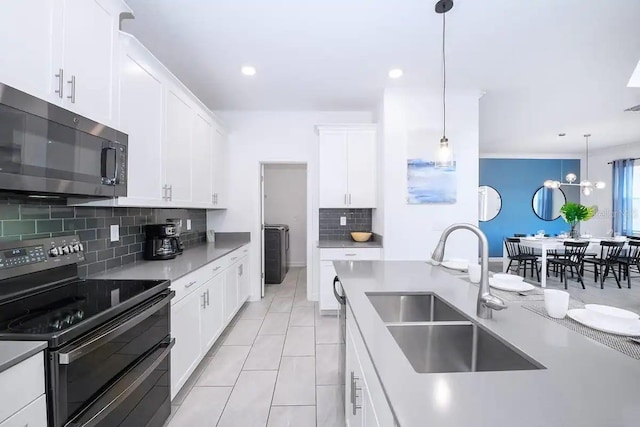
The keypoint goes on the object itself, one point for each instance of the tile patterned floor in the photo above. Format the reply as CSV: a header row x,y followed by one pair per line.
x,y
276,365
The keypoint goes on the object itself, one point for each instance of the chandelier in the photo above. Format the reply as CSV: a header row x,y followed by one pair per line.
x,y
586,185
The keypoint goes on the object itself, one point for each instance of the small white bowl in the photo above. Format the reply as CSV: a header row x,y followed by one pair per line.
x,y
614,315
504,277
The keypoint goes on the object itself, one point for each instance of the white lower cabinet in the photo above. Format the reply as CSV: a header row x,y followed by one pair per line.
x,y
211,320
328,273
365,402
22,394
205,302
185,328
32,415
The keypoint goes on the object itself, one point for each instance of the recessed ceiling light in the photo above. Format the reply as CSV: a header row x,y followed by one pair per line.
x,y
395,73
248,70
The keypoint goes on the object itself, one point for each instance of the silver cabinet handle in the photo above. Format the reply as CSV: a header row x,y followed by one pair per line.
x,y
208,297
212,202
354,394
349,198
190,284
234,258
171,193
204,300
72,82
216,198
217,268
350,254
345,198
60,77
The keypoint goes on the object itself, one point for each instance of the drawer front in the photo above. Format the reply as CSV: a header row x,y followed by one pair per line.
x,y
33,415
356,254
20,385
189,283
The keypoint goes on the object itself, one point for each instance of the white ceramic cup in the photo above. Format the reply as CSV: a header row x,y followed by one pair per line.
x,y
475,273
556,303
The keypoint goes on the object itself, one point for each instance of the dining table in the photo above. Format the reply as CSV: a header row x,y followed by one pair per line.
x,y
551,244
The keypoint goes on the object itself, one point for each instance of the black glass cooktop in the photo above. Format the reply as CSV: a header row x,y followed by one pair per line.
x,y
62,313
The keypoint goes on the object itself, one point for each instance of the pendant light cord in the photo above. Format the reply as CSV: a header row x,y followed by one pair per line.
x,y
587,139
444,81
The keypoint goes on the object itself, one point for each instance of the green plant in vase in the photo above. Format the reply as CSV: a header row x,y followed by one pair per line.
x,y
573,213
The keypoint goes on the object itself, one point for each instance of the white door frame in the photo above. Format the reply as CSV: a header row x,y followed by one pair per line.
x,y
309,207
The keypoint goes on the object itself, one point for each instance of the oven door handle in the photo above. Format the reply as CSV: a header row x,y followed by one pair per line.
x,y
95,412
341,299
110,331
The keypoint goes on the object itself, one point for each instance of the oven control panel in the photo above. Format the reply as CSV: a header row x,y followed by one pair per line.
x,y
65,250
22,256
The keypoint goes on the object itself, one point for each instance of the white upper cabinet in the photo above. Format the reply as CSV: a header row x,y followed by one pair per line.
x,y
176,162
361,168
141,115
26,58
333,169
89,33
347,166
219,162
201,170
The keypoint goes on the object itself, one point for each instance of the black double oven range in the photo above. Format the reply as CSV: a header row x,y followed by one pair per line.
x,y
108,341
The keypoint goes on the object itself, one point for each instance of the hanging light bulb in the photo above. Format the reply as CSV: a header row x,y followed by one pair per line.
x,y
600,185
444,157
587,191
548,183
571,177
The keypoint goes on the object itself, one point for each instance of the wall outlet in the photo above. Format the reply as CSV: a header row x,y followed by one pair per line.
x,y
115,233
188,224
343,220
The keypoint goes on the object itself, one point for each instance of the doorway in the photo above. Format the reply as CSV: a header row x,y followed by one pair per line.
x,y
283,207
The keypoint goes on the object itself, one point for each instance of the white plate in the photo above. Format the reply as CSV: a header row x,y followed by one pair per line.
x,y
505,277
615,312
456,265
601,323
510,285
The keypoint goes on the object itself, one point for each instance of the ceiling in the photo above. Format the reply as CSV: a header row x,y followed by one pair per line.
x,y
545,66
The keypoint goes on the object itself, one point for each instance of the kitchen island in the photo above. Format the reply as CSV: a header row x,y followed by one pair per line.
x,y
583,383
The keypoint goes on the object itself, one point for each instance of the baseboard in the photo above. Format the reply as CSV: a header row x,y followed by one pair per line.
x,y
297,264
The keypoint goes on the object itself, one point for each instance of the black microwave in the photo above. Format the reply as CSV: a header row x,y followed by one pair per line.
x,y
46,149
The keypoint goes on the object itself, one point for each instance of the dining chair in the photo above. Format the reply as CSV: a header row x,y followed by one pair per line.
x,y
521,255
605,262
572,258
628,260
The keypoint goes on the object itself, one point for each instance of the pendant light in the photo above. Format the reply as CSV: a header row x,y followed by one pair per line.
x,y
585,185
444,157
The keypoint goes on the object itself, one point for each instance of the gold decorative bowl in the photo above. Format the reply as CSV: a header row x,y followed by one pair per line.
x,y
360,236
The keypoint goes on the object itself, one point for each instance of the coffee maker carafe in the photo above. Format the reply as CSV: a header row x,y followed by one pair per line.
x,y
160,241
177,242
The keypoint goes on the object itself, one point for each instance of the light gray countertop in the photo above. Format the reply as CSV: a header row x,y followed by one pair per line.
x,y
584,384
324,244
14,352
190,260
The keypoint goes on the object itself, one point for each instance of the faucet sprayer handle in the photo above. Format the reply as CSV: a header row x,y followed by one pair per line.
x,y
493,302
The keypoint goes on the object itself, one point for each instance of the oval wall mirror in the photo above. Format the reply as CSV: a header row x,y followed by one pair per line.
x,y
547,202
489,203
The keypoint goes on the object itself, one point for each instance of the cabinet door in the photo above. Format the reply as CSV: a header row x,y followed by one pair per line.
x,y
361,152
185,328
230,292
201,166
243,280
26,59
333,169
219,164
141,94
177,146
89,32
327,300
211,317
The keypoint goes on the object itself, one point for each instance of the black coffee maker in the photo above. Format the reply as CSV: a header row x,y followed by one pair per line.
x,y
160,241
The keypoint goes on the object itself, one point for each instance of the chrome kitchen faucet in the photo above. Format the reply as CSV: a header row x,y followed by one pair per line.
x,y
486,301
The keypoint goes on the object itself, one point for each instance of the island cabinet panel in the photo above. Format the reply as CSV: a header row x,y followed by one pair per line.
x,y
22,386
365,402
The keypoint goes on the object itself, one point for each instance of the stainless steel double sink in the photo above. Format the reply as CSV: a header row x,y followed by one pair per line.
x,y
435,337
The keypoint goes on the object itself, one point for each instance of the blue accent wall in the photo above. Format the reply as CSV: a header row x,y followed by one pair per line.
x,y
517,180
